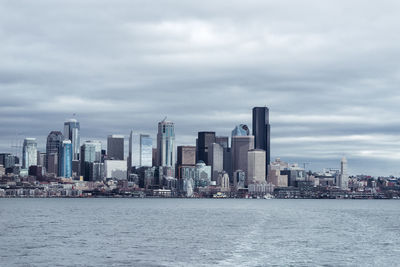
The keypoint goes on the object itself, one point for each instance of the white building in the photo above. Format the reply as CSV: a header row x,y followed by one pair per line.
x,y
29,153
256,166
115,169
343,182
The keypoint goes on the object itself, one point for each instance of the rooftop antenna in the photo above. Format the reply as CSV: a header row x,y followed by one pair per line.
x,y
164,118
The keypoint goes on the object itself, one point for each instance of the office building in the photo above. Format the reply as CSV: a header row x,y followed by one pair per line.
x,y
186,157
256,166
216,159
90,152
274,173
133,159
343,177
7,160
53,144
223,141
115,147
146,150
204,140
72,133
115,169
41,158
240,147
52,163
241,130
65,159
261,131
239,179
29,153
201,174
166,144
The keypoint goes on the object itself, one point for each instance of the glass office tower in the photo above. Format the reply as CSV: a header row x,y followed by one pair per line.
x,y
146,150
29,153
72,133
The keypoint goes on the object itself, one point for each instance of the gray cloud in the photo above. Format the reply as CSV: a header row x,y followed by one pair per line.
x,y
327,70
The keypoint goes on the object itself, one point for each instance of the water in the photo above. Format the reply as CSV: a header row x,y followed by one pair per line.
x,y
199,232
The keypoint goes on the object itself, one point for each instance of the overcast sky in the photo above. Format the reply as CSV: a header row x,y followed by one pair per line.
x,y
328,71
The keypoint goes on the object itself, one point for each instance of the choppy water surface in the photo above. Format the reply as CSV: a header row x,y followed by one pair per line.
x,y
198,232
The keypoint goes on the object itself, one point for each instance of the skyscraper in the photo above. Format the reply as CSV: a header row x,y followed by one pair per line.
x,y
53,144
241,130
240,148
166,143
256,166
72,133
343,177
115,147
65,159
29,153
186,157
90,152
133,151
146,150
204,140
261,132
216,159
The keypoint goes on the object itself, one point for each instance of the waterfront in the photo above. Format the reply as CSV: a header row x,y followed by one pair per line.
x,y
198,232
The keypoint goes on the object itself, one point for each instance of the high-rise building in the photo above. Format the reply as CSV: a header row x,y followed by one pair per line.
x,y
166,144
72,133
133,159
115,169
41,158
216,159
204,140
53,144
146,150
52,163
7,160
256,166
241,130
29,153
261,131
90,152
186,157
115,147
343,177
65,159
240,147
223,141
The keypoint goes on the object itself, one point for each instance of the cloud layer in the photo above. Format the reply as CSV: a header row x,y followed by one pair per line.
x,y
328,71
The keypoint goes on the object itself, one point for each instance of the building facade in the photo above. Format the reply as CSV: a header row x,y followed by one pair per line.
x,y
72,132
115,147
29,153
256,166
65,159
166,144
53,145
146,150
262,131
204,141
240,147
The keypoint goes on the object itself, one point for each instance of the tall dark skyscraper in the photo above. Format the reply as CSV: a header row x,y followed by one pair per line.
x,y
115,147
53,144
261,131
204,141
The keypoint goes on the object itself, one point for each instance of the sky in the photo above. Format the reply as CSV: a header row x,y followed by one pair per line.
x,y
327,70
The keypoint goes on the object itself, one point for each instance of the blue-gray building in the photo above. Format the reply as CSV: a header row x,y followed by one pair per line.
x,y
146,150
241,130
65,159
72,132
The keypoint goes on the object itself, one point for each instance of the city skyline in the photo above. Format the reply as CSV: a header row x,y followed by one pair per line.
x,y
328,72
